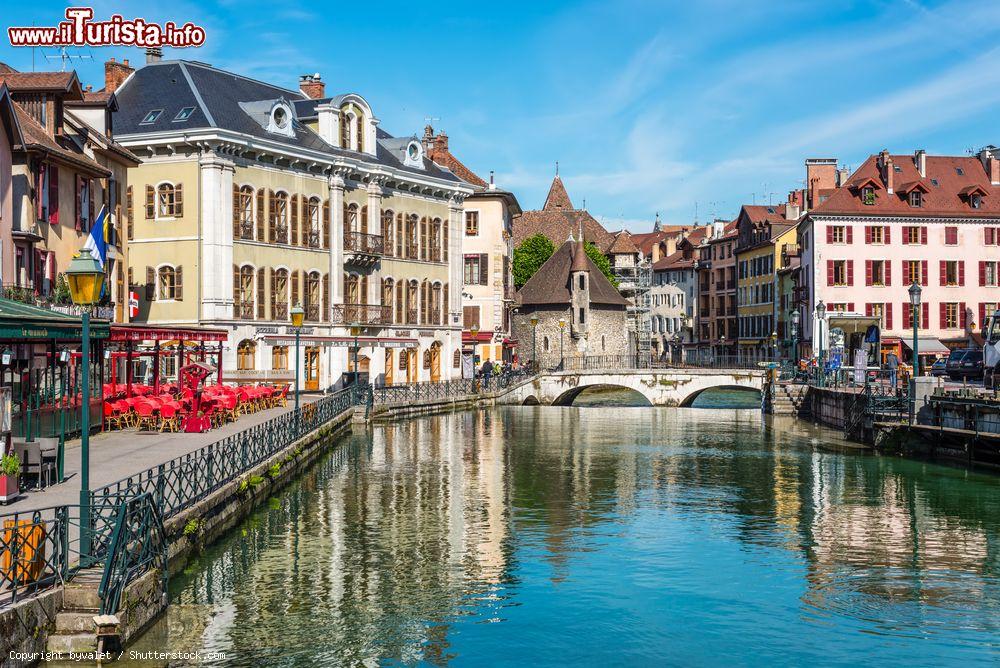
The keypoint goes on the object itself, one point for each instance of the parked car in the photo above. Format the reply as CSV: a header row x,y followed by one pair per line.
x,y
965,364
940,367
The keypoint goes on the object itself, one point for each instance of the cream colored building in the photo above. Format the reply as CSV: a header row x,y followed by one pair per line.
x,y
253,198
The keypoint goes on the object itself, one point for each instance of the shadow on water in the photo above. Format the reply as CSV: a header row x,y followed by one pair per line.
x,y
604,396
727,397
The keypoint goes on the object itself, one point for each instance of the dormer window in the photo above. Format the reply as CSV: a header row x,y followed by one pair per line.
x,y
868,195
279,116
151,117
413,156
976,200
183,114
280,119
916,198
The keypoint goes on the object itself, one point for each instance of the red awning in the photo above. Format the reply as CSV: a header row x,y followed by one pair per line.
x,y
166,333
342,341
481,337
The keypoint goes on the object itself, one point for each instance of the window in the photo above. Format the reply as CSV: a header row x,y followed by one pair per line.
x,y
387,218
471,223
877,272
951,273
279,294
183,114
868,195
582,316
244,212
168,200
951,236
976,200
470,317
279,218
911,272
914,235
279,358
166,283
991,236
988,273
545,344
476,269
246,351
950,315
839,274
916,198
243,304
312,216
838,235
151,117
280,117
876,234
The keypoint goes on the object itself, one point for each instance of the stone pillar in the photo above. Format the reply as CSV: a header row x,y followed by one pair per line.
x,y
337,357
453,332
375,227
216,211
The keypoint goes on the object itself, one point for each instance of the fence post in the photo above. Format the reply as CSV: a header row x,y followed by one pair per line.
x,y
62,517
211,466
161,481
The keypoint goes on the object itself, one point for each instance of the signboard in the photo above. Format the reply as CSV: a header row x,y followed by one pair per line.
x,y
362,343
261,374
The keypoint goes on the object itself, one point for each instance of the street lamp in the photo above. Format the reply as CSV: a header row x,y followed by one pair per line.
x,y
356,332
474,331
298,315
562,326
774,346
86,281
820,319
722,346
795,333
914,310
534,340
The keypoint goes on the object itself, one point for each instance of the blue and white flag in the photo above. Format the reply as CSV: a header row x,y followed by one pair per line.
x,y
97,242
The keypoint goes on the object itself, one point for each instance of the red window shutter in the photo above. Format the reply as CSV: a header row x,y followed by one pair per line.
x,y
982,314
868,234
944,272
829,234
989,234
39,189
886,272
944,315
963,317
887,314
829,272
868,310
868,273
850,272
484,269
850,234
923,236
850,307
982,273
885,235
907,316
925,317
54,195
951,235
923,272
961,272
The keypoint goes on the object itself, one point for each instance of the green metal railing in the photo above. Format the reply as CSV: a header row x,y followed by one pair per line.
x,y
138,543
449,389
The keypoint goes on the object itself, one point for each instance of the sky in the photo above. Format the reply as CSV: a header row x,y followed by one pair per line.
x,y
688,109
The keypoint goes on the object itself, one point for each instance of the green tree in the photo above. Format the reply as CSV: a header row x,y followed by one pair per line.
x,y
529,256
602,262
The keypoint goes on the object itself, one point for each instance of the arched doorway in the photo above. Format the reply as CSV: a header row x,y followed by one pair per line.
x,y
387,379
312,368
436,362
412,371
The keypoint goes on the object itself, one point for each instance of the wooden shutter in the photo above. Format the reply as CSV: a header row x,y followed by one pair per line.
x,y
423,302
868,272
40,170
364,220
924,274
326,224
829,273
943,310
444,305
887,314
237,298
130,281
849,232
347,220
295,288
484,269
294,198
261,293
907,316
400,315
90,203
829,234
150,203
399,235
923,236
53,173
982,274
150,284
78,224
989,235
444,242
179,283
260,214
423,238
868,235
850,272
963,316
326,298
925,318
236,211
363,287
129,214
361,132
961,272
944,272
271,217
178,200
886,239
887,272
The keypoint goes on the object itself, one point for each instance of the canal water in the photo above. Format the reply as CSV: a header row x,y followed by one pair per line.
x,y
601,536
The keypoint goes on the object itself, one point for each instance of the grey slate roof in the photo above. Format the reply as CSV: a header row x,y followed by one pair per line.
x,y
221,100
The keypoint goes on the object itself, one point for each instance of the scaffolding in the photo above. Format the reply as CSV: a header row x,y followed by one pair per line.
x,y
635,283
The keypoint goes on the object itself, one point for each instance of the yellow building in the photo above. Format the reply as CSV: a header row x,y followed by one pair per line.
x,y
253,199
763,231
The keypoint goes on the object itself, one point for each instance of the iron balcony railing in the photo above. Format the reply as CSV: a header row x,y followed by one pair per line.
x,y
365,244
279,310
363,314
243,310
312,312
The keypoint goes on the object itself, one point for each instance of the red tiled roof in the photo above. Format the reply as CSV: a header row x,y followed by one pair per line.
x,y
646,240
42,81
557,198
675,260
35,136
764,213
947,190
558,222
622,244
446,159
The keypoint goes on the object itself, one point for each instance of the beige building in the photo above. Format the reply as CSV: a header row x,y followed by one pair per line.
x,y
253,198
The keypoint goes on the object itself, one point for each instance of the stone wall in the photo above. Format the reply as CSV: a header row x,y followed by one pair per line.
x,y
607,334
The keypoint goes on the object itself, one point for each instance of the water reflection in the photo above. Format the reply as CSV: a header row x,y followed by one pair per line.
x,y
603,535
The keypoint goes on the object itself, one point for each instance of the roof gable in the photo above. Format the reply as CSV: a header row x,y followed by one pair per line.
x,y
557,198
551,283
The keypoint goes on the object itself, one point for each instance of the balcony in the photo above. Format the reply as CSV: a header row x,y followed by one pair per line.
x,y
363,249
243,310
279,310
363,314
312,313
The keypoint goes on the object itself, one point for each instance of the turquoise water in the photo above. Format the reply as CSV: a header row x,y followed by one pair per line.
x,y
603,536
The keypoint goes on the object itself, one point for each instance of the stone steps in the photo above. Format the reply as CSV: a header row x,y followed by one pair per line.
x,y
75,630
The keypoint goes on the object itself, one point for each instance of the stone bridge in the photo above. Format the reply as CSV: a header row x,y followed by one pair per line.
x,y
661,387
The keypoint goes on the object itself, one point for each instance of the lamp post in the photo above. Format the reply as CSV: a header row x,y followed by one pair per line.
x,y
795,333
914,310
356,332
534,340
774,347
297,316
474,331
86,281
562,326
820,319
722,346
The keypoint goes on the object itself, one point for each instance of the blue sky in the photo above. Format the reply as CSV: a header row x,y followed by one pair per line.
x,y
647,106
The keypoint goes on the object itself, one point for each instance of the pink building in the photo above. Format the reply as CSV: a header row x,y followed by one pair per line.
x,y
899,219
9,136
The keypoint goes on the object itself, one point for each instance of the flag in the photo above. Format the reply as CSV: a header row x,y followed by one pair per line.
x,y
97,241
133,304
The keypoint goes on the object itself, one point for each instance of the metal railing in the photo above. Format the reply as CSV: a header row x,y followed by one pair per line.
x,y
363,314
367,244
448,389
138,543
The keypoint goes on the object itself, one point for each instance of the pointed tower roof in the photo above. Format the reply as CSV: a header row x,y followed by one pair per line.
x,y
557,198
579,258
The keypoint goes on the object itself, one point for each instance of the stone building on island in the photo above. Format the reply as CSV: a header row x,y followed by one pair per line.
x,y
571,288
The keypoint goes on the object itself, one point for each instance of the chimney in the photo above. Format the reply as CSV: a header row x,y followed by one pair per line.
x,y
115,74
312,86
821,174
791,211
885,165
154,54
920,161
991,163
842,176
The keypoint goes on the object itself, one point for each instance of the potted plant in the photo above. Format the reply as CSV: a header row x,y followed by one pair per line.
x,y
10,477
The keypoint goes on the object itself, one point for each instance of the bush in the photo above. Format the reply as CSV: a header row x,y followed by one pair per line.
x,y
10,465
191,528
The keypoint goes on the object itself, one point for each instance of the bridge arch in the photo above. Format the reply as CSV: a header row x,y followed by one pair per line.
x,y
530,400
687,401
569,396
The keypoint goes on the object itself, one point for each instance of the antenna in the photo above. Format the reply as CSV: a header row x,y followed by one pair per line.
x,y
65,56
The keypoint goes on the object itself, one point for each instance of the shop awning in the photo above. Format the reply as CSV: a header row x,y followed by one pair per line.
x,y
23,322
343,341
133,332
928,346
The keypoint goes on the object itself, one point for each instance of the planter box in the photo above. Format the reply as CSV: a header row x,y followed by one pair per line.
x,y
10,488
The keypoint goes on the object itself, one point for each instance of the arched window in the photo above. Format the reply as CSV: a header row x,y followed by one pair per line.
x,y
411,236
310,236
435,240
427,358
279,218
279,294
279,358
350,220
352,289
387,294
312,296
545,343
246,351
243,213
411,302
168,200
436,304
166,282
456,358
387,217
243,293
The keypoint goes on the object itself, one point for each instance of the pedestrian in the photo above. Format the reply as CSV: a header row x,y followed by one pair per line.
x,y
892,364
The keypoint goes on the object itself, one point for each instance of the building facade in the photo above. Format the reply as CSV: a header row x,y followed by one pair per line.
x,y
253,198
717,309
904,219
10,136
675,299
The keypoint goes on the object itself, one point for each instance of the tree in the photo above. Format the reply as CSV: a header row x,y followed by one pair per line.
x,y
602,262
530,256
